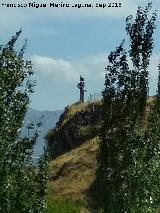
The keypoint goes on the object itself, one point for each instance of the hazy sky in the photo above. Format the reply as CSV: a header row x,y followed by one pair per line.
x,y
66,42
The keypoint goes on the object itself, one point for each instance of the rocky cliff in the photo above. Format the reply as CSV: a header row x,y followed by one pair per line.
x,y
79,123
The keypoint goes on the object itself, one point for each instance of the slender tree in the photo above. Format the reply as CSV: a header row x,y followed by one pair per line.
x,y
123,147
114,104
18,177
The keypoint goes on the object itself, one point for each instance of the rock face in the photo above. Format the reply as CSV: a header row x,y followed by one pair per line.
x,y
78,124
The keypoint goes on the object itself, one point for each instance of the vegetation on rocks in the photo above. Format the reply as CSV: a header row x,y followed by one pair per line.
x,y
76,125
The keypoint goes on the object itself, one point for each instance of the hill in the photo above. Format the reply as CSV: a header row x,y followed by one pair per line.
x,y
73,146
78,124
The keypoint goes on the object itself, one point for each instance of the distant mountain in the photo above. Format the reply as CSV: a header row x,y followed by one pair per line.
x,y
48,119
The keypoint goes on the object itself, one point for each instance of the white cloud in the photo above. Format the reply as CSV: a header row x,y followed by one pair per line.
x,y
60,69
92,67
54,68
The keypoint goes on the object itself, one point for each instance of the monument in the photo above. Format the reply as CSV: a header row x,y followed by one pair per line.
x,y
81,86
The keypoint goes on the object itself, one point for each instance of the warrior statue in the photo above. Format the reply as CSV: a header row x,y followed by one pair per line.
x,y
81,86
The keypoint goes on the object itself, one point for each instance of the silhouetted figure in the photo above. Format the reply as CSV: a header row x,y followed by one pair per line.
x,y
81,86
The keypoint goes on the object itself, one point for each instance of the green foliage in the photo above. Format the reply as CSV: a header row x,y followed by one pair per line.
x,y
141,43
129,156
62,206
22,186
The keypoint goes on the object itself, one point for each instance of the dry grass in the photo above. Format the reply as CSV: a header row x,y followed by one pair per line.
x,y
81,107
73,173
72,110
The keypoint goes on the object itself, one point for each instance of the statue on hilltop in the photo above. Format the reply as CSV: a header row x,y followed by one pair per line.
x,y
81,86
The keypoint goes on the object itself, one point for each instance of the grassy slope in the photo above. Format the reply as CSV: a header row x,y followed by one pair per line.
x,y
56,205
73,173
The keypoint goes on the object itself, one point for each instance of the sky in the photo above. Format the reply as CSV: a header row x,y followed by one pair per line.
x,y
66,42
